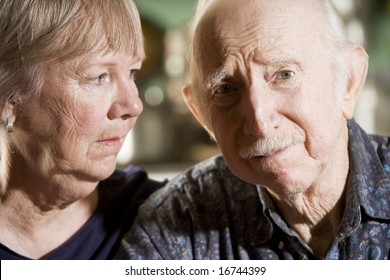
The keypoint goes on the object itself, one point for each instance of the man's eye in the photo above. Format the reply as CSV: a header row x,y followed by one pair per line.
x,y
284,75
224,89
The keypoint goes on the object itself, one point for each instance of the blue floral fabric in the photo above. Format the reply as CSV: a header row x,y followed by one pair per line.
x,y
209,213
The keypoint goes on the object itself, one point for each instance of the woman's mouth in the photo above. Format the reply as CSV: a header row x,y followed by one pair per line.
x,y
111,142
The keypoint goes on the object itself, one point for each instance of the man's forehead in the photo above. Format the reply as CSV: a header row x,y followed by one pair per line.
x,y
227,24
234,15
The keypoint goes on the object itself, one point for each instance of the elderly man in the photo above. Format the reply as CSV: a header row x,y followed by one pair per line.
x,y
275,83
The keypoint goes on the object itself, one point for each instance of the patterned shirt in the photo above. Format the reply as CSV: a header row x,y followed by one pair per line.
x,y
209,213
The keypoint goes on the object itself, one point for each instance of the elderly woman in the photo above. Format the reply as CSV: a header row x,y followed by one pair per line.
x,y
67,101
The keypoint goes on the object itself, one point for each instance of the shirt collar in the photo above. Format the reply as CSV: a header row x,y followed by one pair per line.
x,y
366,171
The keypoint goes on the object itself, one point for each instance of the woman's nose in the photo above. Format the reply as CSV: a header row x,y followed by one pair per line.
x,y
127,103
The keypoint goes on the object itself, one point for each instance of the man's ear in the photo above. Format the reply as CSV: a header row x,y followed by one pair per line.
x,y
193,106
358,65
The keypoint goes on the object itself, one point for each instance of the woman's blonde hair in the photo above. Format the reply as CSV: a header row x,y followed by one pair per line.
x,y
36,32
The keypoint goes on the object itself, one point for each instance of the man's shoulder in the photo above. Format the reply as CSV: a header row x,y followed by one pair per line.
x,y
381,142
205,202
209,181
381,146
369,148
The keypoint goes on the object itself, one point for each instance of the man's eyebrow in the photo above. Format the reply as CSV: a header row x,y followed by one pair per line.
x,y
281,63
215,77
276,61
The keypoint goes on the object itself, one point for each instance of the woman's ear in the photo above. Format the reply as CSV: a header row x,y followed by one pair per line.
x,y
358,65
193,106
8,112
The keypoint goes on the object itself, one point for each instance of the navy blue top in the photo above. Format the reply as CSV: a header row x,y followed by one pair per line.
x,y
119,198
209,213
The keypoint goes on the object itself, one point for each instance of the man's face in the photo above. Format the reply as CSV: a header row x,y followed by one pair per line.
x,y
269,96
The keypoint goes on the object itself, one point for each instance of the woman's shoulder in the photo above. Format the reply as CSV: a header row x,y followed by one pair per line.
x,y
121,194
131,182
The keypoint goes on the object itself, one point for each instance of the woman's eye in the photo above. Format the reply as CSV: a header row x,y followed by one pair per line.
x,y
284,75
101,79
132,73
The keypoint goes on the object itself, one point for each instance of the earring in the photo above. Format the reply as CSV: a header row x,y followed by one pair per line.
x,y
10,125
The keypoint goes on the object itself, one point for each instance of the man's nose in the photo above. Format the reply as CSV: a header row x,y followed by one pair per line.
x,y
127,103
260,114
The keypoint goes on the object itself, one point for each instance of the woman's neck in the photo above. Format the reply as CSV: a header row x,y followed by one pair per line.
x,y
34,230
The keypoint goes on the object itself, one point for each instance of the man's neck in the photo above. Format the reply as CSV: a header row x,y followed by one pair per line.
x,y
316,213
315,220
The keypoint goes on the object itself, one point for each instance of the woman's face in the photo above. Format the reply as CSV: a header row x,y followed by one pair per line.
x,y
79,122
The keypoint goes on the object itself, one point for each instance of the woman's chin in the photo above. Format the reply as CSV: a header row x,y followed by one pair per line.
x,y
99,171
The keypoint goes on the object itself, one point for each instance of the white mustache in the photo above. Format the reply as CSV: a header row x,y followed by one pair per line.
x,y
268,146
